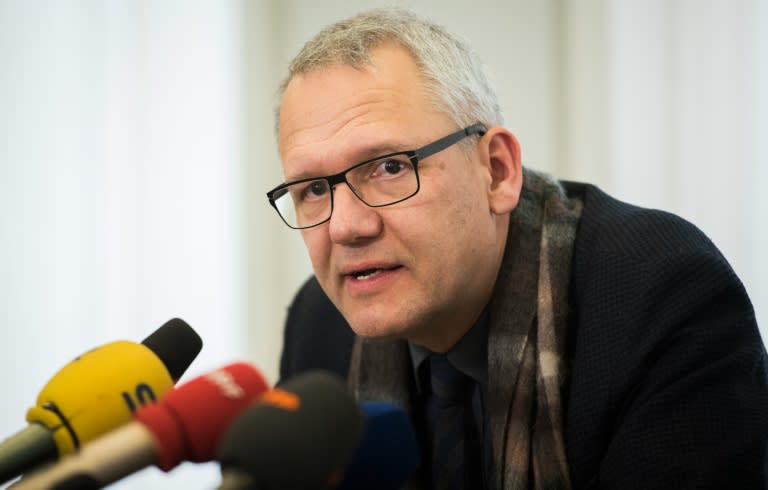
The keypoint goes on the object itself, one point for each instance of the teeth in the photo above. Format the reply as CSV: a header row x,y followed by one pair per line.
x,y
366,274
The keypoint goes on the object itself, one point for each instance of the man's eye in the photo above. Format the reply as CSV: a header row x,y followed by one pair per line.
x,y
314,190
391,167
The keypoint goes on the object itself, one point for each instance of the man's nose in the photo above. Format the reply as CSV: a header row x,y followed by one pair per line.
x,y
352,220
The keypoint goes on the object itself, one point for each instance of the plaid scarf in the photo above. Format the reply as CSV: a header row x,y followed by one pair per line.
x,y
526,344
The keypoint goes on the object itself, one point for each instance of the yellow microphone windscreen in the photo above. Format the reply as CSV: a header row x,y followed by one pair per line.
x,y
98,392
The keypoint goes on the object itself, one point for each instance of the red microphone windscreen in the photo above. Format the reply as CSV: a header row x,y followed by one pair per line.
x,y
188,422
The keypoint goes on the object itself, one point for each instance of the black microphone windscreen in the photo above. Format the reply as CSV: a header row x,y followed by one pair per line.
x,y
176,344
300,436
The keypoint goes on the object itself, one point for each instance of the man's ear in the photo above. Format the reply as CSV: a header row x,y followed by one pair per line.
x,y
502,151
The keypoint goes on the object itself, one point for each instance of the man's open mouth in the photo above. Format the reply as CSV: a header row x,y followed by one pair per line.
x,y
368,273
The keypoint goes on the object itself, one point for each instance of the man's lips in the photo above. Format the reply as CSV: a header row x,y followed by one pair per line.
x,y
364,272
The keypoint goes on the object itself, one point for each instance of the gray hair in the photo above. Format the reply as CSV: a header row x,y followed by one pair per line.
x,y
454,75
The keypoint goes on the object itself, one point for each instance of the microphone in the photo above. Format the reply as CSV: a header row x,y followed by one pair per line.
x,y
299,436
176,344
96,392
388,453
184,426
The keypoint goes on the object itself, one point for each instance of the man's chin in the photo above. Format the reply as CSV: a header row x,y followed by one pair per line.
x,y
377,333
380,340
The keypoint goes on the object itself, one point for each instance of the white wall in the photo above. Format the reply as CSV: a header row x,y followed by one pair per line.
x,y
136,146
121,175
684,117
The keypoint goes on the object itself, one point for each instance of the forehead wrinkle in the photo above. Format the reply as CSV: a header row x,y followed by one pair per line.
x,y
337,138
378,89
384,100
362,151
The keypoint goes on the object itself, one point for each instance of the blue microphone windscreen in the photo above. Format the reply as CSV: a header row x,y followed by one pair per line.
x,y
388,453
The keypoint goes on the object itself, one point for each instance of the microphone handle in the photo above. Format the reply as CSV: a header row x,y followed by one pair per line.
x,y
26,449
104,460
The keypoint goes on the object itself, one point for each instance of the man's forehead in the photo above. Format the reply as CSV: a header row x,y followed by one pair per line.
x,y
337,102
347,149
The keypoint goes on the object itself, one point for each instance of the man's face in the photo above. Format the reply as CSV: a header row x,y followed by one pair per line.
x,y
422,269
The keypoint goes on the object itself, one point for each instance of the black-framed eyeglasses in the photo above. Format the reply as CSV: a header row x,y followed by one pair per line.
x,y
381,181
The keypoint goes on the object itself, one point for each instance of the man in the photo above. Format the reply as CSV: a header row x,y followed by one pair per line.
x,y
597,344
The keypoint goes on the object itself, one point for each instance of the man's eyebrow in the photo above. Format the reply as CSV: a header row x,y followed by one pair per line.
x,y
361,156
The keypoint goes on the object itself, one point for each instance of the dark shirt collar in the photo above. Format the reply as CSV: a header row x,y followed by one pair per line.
x,y
469,355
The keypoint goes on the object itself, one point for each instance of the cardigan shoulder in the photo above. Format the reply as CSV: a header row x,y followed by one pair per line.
x,y
667,368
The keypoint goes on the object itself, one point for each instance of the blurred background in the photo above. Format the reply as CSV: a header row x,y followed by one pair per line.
x,y
136,146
